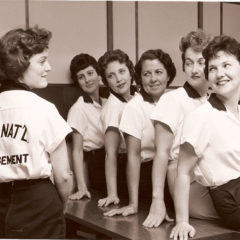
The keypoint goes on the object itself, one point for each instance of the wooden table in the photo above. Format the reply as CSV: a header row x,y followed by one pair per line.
x,y
87,215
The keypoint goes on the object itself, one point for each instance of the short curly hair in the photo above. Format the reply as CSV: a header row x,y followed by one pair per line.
x,y
17,47
80,62
197,40
160,55
111,56
223,43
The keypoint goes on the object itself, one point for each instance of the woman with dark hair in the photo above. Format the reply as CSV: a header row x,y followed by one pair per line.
x,y
117,73
168,118
84,117
154,72
210,141
32,143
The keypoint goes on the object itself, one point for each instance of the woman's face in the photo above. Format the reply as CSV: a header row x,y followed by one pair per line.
x,y
36,74
118,78
154,78
224,74
194,68
88,80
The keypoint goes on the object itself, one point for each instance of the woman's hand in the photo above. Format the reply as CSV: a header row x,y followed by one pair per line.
x,y
156,214
80,194
125,211
182,230
104,202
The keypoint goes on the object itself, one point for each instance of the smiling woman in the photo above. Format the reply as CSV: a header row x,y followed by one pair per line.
x,y
32,141
84,117
36,74
154,72
117,73
168,117
215,123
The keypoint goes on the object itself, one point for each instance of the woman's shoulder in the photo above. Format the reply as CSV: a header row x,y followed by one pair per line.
x,y
172,98
37,100
78,103
201,113
136,99
113,102
174,93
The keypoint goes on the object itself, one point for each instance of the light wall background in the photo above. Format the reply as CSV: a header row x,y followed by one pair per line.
x,y
81,26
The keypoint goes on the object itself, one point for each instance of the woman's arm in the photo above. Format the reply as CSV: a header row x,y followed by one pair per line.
x,y
133,173
163,140
62,173
79,167
112,140
186,164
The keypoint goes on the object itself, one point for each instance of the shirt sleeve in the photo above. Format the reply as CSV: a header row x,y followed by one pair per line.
x,y
111,116
168,111
77,119
132,121
196,132
55,129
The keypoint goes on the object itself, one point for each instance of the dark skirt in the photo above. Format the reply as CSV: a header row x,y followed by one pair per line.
x,y
31,209
226,199
95,160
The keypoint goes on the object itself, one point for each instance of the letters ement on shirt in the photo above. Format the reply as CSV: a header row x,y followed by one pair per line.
x,y
14,131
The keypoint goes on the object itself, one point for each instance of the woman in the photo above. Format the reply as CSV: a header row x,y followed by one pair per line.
x,y
32,141
117,73
168,117
155,71
84,116
210,140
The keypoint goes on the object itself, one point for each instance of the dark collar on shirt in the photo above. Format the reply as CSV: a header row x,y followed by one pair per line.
x,y
86,98
146,96
191,92
216,103
122,99
13,86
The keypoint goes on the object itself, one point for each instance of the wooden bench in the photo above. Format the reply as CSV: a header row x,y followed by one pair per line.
x,y
87,220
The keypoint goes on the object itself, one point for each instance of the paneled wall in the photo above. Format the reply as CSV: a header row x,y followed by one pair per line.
x,y
231,20
124,27
12,14
82,26
211,17
158,28
77,27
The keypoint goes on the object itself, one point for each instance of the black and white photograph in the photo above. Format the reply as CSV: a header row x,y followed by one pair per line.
x,y
119,119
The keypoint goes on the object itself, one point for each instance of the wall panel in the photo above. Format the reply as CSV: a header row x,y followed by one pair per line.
x,y
124,27
211,17
77,26
12,15
162,24
231,20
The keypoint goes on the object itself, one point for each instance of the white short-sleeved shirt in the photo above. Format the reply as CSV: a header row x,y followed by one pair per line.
x,y
171,109
30,129
111,115
214,133
137,123
84,117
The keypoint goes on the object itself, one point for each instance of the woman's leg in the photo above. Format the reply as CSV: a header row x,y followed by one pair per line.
x,y
200,203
